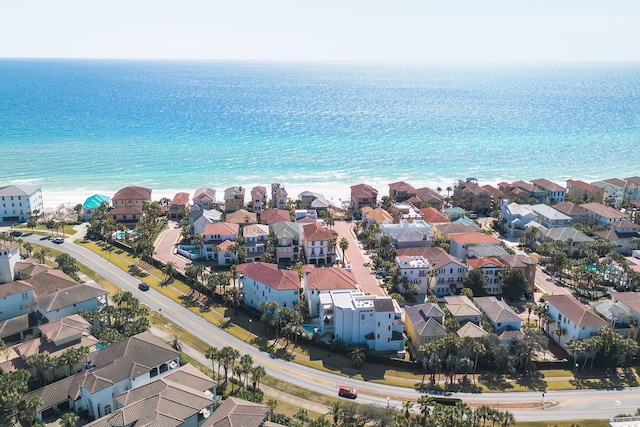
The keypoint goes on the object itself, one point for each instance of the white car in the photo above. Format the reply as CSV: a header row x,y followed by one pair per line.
x,y
58,240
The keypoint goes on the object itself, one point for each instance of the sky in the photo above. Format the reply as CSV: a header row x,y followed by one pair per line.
x,y
395,31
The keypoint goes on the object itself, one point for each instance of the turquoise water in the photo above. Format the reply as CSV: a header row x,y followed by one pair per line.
x,y
310,329
70,124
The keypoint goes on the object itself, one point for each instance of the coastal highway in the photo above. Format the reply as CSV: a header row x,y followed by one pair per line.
x,y
559,405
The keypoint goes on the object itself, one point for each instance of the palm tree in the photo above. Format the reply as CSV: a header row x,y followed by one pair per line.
x,y
560,332
335,410
425,403
406,406
41,255
70,419
169,271
213,354
234,273
28,247
257,373
343,244
175,343
246,363
530,306
358,356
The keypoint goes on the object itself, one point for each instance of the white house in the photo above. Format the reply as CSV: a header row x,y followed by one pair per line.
x,y
462,242
550,217
448,271
9,256
67,301
199,218
261,282
317,247
18,201
491,268
356,318
14,299
215,235
577,320
416,270
324,280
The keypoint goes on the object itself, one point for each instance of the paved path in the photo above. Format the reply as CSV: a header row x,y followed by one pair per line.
x,y
368,283
166,245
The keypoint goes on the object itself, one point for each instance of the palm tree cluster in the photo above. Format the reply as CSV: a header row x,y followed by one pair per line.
x,y
43,366
282,321
13,407
608,348
229,359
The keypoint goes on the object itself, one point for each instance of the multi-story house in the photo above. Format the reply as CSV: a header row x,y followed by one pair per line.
x,y
462,242
9,256
199,218
256,237
568,239
424,324
318,246
217,234
499,313
520,192
577,320
261,282
433,216
623,234
491,268
553,192
414,269
426,197
19,201
319,281
356,318
527,265
472,196
259,198
279,196
462,309
585,192
549,217
205,198
233,199
406,211
401,191
242,217
273,216
288,242
91,204
578,214
376,216
363,195
128,202
178,204
447,272
605,215
619,190
516,217
311,200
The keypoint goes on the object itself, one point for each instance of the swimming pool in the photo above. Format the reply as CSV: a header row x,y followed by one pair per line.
x,y
310,329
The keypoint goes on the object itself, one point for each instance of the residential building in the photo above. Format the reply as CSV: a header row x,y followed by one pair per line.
x,y
549,217
447,272
256,237
406,234
19,201
428,198
67,301
376,216
623,234
126,214
363,195
279,196
242,217
578,214
261,282
215,235
179,203
444,231
455,213
106,373
234,412
462,309
356,318
606,215
205,198
580,190
289,237
527,265
577,320
462,242
132,196
16,297
233,199
184,397
433,216
199,218
472,196
311,200
471,330
318,246
323,280
625,305
568,238
272,216
499,313
414,269
619,190
9,256
424,324
259,198
299,214
492,251
91,204
405,211
491,268
553,192
401,191
520,192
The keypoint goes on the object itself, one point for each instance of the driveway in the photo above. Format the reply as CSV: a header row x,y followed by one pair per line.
x,y
367,282
166,246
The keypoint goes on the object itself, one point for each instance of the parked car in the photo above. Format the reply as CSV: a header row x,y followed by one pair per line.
x,y
143,286
348,392
16,233
58,240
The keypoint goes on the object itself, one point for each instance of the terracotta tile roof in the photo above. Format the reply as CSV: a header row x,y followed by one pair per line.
x,y
255,230
473,238
180,199
518,261
306,220
315,232
242,216
604,211
453,228
620,183
64,327
634,179
49,281
222,229
8,246
272,216
402,186
426,194
583,185
548,185
133,193
570,208
576,312
433,215
379,215
69,297
630,299
234,412
224,246
205,194
331,278
13,288
364,190
484,262
258,192
270,275
491,189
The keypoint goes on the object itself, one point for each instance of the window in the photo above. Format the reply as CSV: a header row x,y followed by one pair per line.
x,y
362,316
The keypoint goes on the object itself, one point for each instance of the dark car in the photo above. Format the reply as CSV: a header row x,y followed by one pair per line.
x,y
143,286
58,240
16,233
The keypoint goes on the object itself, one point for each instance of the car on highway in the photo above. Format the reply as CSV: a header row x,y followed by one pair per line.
x,y
348,392
143,286
16,233
58,240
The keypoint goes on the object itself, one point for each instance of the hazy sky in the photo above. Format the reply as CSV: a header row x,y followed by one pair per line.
x,y
356,30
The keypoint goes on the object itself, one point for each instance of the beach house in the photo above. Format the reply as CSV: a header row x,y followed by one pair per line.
x,y
262,282
323,280
575,320
289,237
279,196
363,195
256,237
204,198
585,192
91,204
401,191
319,244
423,323
220,235
259,198
553,192
233,199
19,201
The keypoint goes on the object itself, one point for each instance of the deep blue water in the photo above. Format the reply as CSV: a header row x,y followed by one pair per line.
x,y
68,124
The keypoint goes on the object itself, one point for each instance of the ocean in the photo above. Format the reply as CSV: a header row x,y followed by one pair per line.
x,y
79,127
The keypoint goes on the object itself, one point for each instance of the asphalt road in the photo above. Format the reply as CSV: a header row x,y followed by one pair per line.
x,y
560,405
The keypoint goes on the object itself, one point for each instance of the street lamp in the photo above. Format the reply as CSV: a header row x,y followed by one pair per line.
x,y
388,403
250,323
543,400
575,371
